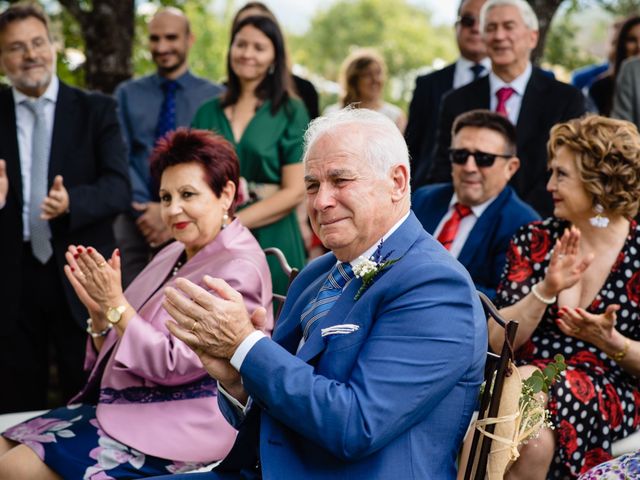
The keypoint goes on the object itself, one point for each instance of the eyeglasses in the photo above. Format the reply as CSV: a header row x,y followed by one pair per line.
x,y
460,156
467,20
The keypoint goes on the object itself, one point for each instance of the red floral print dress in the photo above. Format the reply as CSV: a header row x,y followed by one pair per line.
x,y
595,402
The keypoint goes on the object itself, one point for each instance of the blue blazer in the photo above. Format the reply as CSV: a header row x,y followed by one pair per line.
x,y
391,400
483,254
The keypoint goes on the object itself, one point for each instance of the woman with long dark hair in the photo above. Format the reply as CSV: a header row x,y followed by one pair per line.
x,y
259,114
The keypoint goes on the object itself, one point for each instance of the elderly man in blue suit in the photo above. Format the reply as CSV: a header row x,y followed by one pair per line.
x,y
374,367
475,216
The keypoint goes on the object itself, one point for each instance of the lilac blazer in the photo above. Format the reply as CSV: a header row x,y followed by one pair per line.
x,y
154,394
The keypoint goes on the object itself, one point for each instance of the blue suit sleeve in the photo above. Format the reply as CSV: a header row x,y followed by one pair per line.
x,y
423,341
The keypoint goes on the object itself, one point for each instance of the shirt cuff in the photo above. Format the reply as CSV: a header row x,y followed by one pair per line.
x,y
242,409
242,351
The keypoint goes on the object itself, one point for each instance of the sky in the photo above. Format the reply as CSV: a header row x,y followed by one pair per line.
x,y
296,14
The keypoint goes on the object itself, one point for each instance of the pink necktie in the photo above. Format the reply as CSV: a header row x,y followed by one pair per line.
x,y
503,95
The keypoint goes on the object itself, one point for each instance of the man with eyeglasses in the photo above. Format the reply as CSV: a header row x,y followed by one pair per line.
x,y
475,216
472,64
63,177
524,94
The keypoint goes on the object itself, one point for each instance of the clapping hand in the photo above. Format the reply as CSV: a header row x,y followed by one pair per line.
x,y
597,329
100,279
57,202
566,265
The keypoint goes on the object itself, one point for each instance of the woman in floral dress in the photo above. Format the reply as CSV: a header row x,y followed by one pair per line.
x,y
149,407
572,282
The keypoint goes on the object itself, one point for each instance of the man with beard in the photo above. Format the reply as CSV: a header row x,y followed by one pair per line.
x,y
63,178
475,216
149,108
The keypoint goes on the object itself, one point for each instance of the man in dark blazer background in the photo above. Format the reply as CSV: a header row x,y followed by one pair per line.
x,y
62,180
532,100
425,104
475,216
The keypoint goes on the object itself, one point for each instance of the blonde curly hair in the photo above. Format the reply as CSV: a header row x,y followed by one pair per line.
x,y
607,155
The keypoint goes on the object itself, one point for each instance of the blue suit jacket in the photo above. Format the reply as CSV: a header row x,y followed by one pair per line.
x,y
391,400
483,254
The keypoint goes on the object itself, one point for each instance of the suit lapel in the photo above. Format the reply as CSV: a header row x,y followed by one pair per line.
x,y
532,106
62,135
393,248
440,207
480,233
10,144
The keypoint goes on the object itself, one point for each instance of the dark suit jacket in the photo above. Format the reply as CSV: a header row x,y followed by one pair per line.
x,y
88,151
483,254
546,102
420,133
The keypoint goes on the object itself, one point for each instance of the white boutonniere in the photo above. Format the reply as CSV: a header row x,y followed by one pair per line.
x,y
368,268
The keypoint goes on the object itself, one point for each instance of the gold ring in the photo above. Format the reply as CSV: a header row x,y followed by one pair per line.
x,y
193,327
101,264
576,330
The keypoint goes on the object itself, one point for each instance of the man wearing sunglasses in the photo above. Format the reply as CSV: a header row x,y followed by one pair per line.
x,y
475,216
524,94
423,112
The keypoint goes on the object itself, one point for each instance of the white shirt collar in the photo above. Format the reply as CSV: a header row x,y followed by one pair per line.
x,y
367,254
519,84
51,93
476,209
466,64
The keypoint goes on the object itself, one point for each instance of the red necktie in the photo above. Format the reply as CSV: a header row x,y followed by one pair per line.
x,y
450,228
503,95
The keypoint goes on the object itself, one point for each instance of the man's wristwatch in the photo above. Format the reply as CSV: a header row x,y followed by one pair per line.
x,y
114,314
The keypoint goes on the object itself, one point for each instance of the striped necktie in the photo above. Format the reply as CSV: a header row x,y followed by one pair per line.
x,y
39,230
325,299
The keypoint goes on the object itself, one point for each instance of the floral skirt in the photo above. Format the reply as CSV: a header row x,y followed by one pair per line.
x,y
70,441
626,467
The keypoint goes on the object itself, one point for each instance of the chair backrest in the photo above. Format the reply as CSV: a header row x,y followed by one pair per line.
x,y
495,371
290,272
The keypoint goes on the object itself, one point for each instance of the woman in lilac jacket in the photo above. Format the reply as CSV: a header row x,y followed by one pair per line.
x,y
149,407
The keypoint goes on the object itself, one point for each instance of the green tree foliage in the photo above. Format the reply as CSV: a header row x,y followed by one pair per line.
x,y
562,47
622,8
401,32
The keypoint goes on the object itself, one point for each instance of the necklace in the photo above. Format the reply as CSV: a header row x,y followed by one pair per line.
x,y
181,260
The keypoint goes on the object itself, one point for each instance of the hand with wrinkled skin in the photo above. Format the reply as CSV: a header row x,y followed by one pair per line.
x,y
566,265
597,329
150,223
101,280
57,202
212,326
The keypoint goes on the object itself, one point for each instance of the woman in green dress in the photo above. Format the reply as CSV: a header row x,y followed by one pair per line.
x,y
266,123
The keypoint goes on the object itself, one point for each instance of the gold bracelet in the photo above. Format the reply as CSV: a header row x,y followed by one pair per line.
x,y
546,301
617,357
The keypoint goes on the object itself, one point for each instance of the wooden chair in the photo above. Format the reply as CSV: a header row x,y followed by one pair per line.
x,y
290,272
496,367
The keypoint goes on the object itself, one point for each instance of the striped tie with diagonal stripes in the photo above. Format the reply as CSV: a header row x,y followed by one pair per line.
x,y
328,295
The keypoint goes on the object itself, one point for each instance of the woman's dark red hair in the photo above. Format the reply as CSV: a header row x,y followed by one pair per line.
x,y
215,154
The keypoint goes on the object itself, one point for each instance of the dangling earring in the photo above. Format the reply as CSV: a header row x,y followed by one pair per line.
x,y
599,221
225,220
272,68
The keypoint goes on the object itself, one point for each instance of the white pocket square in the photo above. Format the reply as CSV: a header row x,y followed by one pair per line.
x,y
339,329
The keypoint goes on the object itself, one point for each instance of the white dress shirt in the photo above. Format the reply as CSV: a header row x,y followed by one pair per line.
x,y
25,122
463,73
466,224
519,84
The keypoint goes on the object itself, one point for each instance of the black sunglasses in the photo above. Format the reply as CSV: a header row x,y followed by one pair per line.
x,y
467,20
460,156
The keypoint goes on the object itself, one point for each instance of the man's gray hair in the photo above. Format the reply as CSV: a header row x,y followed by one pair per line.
x,y
526,12
384,145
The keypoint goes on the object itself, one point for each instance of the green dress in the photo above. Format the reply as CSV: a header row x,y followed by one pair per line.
x,y
268,143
